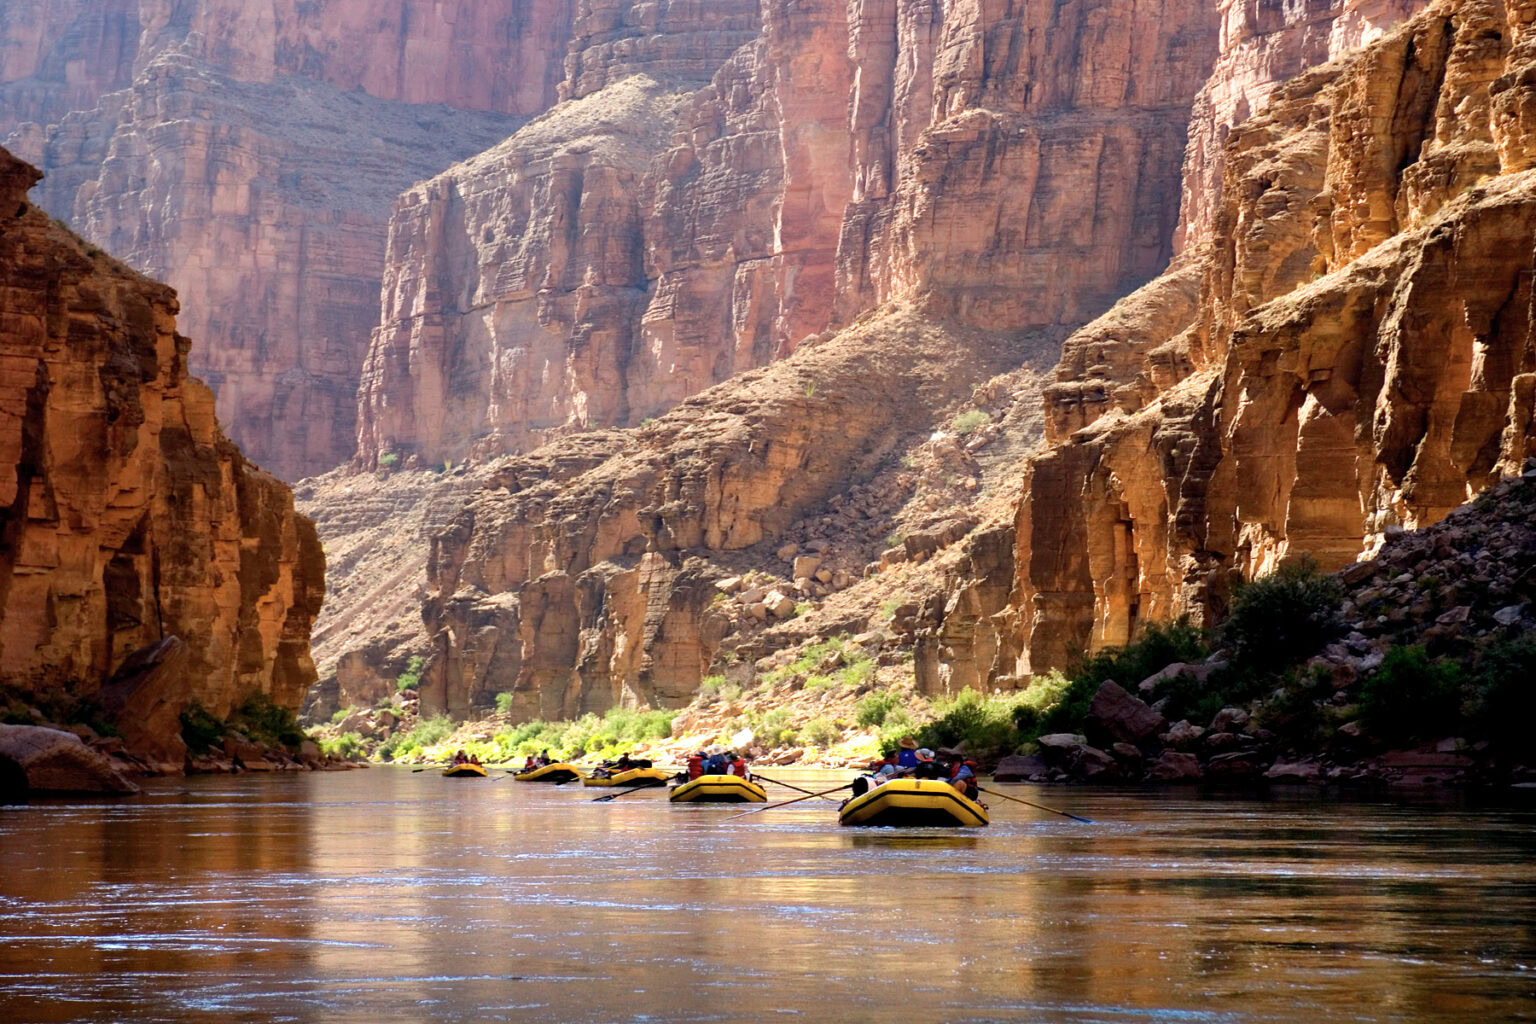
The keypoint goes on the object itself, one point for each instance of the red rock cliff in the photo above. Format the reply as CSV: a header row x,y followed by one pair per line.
x,y
249,153
965,185
1011,166
1351,354
126,517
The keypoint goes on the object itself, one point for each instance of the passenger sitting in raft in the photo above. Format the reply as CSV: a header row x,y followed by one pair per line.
x,y
927,767
962,773
906,755
718,762
459,757
696,764
530,764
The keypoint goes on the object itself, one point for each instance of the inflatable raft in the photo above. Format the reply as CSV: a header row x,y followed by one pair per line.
x,y
465,771
633,777
718,789
558,772
913,802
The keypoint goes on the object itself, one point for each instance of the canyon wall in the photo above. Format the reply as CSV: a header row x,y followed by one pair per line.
x,y
1012,168
862,214
143,562
1350,355
249,154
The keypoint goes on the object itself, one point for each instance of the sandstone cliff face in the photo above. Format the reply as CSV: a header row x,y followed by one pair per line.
x,y
1015,168
1357,357
127,520
583,574
1262,47
979,166
249,155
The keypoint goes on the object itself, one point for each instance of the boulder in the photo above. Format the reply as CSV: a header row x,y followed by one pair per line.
x,y
1294,771
1181,735
1509,615
1122,717
39,760
1093,764
1238,764
1174,766
729,585
805,566
1229,720
145,697
1055,746
779,605
1150,684
788,552
1019,768
1127,754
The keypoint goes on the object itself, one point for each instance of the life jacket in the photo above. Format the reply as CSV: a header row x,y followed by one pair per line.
x,y
695,766
739,767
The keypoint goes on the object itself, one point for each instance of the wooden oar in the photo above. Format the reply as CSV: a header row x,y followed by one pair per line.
x,y
786,803
650,784
1064,814
786,785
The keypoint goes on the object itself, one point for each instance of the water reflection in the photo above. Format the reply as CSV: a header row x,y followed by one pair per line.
x,y
386,894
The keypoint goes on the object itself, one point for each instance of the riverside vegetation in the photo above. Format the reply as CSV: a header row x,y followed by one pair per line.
x,y
1376,673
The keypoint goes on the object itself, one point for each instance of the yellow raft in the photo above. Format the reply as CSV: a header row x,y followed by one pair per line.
x,y
718,789
465,771
558,772
633,777
913,802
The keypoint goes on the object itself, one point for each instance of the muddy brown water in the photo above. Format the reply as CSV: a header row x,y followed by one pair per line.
x,y
385,895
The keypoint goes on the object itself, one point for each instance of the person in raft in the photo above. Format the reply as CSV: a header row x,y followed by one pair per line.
x,y
962,773
906,754
459,757
719,762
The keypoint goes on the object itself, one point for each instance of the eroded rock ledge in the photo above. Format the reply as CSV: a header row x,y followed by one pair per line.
x,y
144,564
1351,353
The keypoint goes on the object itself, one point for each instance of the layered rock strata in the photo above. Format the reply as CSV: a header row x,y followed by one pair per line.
x,y
1016,169
583,575
249,154
1357,358
136,543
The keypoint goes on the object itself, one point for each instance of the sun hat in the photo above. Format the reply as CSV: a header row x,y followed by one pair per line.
x,y
925,754
908,743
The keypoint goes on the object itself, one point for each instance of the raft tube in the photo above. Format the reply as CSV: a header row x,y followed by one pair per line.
x,y
633,777
912,803
465,771
558,772
718,789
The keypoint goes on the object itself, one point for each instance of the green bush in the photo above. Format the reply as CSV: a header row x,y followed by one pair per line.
x,y
872,710
821,732
267,723
343,714
1156,647
347,746
425,733
985,724
388,460
411,676
1411,696
200,731
1282,619
967,422
504,702
1501,697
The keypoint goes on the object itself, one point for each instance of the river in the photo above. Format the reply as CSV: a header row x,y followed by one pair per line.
x,y
384,894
